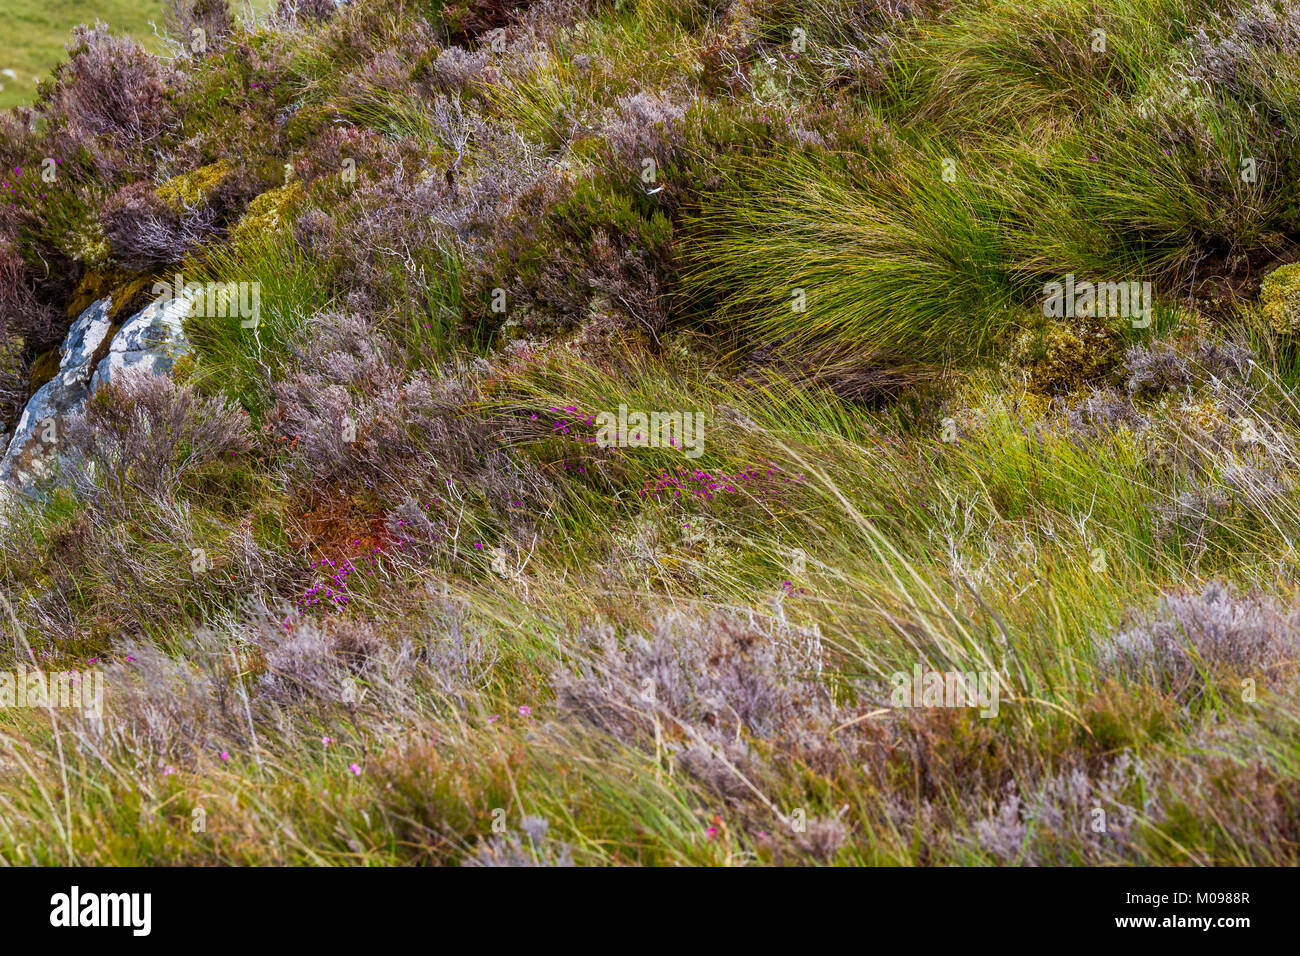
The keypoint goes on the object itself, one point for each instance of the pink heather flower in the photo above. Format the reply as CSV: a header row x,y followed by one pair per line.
x,y
225,756
711,832
493,719
525,710
356,770
478,545
327,741
168,770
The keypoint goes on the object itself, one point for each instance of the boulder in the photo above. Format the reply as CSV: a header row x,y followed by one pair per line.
x,y
151,340
35,440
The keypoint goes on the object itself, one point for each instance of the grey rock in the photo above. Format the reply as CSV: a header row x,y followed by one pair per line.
x,y
35,440
150,341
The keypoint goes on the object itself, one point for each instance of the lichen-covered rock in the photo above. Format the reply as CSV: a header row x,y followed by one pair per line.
x,y
36,438
152,340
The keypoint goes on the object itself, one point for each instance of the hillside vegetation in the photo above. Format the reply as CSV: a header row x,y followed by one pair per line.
x,y
367,582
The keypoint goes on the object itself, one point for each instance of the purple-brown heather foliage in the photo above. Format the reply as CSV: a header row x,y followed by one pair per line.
x,y
532,848
645,126
22,314
1169,366
1102,412
305,11
144,432
1220,50
717,686
358,415
183,17
109,95
1191,637
144,232
1071,817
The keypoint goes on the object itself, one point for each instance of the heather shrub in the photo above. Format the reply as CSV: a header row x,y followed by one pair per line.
x,y
147,233
305,11
145,432
1055,821
466,19
566,242
25,321
212,17
1235,808
713,689
533,848
1191,639
1234,49
643,137
167,709
108,100
1170,366
1102,412
355,416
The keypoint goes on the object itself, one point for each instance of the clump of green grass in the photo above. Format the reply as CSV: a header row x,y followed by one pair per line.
x,y
243,356
903,261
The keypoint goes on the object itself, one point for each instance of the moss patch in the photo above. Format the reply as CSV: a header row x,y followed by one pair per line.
x,y
1074,356
43,369
266,213
1279,299
194,188
129,291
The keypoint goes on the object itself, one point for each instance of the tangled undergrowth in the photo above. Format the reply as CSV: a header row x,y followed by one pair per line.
x,y
930,574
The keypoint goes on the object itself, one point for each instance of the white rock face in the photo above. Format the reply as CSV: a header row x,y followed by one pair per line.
x,y
151,340
34,445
